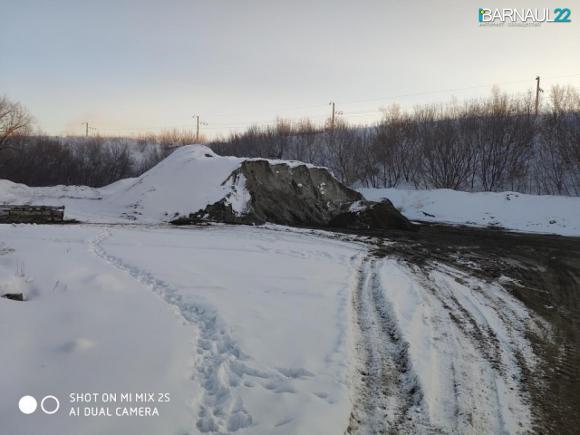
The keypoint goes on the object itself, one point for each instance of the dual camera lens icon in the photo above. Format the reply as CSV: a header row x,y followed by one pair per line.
x,y
28,404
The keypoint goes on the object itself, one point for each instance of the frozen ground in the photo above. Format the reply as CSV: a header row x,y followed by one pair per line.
x,y
509,210
254,330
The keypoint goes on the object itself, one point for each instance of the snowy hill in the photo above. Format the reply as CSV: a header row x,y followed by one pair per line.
x,y
509,210
186,181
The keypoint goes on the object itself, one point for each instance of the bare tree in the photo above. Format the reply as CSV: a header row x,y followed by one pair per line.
x,y
344,149
281,135
14,119
505,137
558,165
304,145
391,147
175,137
445,159
489,144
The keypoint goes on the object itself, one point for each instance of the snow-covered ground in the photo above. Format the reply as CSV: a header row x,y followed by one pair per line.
x,y
246,328
251,330
465,337
257,330
510,210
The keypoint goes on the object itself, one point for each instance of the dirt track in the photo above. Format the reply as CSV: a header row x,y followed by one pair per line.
x,y
546,277
388,393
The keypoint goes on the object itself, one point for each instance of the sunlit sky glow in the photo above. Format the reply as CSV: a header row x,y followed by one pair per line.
x,y
130,66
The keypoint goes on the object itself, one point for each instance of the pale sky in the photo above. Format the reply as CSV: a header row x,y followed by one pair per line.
x,y
130,66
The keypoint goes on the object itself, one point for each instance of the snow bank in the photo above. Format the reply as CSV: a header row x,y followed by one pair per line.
x,y
510,210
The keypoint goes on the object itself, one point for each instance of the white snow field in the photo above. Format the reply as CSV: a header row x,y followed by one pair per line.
x,y
246,328
510,210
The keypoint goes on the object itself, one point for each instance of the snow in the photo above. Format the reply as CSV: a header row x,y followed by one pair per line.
x,y
239,197
83,328
464,335
188,180
252,330
357,206
194,176
246,328
509,210
185,182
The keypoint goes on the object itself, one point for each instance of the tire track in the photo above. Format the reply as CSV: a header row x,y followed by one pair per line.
x,y
388,397
473,336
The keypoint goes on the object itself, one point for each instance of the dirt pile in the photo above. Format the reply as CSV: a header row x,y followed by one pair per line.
x,y
294,194
367,215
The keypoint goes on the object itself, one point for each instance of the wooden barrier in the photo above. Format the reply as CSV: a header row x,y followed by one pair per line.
x,y
37,214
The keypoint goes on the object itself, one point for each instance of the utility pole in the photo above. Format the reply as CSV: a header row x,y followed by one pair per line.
x,y
196,128
87,128
538,90
198,124
332,115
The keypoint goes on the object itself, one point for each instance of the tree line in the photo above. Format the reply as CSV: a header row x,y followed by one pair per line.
x,y
39,160
36,159
491,144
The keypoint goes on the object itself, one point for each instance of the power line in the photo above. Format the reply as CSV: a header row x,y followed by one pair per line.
x,y
401,96
398,96
451,90
356,113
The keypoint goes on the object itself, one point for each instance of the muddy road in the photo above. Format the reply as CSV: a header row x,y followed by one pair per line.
x,y
541,271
